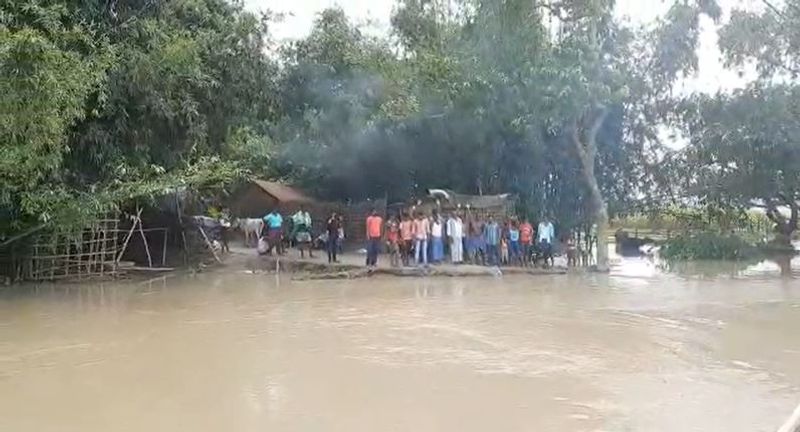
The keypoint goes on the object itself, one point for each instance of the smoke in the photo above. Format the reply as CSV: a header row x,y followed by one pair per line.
x,y
476,120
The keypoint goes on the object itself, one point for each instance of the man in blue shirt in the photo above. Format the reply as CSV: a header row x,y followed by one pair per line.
x,y
273,222
491,232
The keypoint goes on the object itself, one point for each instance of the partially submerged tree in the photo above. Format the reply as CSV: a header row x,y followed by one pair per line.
x,y
744,152
744,148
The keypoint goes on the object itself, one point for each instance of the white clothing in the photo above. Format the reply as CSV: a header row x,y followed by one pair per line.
x,y
302,218
455,228
436,229
456,250
546,232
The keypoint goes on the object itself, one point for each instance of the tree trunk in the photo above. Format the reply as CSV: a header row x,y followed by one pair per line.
x,y
587,152
784,228
600,212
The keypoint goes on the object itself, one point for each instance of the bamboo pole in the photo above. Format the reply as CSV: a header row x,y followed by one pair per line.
x,y
146,246
793,424
92,249
185,247
209,244
32,269
128,237
102,252
66,262
55,252
114,239
21,235
164,249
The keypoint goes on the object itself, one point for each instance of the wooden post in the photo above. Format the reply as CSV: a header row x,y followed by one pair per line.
x,y
128,237
146,247
185,247
103,241
68,261
209,244
164,249
92,249
114,247
54,249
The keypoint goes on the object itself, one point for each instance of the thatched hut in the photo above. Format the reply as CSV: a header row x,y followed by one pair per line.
x,y
260,196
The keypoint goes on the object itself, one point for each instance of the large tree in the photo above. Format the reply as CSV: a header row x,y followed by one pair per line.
x,y
104,101
745,152
744,148
50,64
556,102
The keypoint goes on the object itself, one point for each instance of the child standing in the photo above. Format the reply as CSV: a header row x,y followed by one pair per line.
x,y
513,243
504,250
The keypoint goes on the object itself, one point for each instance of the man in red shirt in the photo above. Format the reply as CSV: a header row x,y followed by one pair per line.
x,y
526,240
374,234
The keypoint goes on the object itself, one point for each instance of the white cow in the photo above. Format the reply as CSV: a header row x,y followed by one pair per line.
x,y
251,228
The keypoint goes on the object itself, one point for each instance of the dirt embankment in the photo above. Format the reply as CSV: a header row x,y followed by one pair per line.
x,y
315,270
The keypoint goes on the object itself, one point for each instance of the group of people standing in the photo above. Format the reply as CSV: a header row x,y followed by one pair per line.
x,y
299,232
420,239
423,239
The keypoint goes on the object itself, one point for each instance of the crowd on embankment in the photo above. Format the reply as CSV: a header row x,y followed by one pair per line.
x,y
416,238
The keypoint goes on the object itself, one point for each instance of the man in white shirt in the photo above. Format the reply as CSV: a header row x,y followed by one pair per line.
x,y
455,230
545,236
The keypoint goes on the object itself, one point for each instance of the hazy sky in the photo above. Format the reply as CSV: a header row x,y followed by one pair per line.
x,y
374,16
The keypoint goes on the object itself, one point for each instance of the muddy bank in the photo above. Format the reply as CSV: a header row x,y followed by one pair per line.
x,y
307,269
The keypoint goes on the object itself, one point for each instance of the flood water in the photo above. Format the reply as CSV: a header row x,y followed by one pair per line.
x,y
698,349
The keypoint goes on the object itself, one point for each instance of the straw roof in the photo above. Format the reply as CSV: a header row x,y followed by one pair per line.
x,y
282,193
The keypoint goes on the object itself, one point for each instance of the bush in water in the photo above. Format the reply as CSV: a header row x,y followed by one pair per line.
x,y
708,246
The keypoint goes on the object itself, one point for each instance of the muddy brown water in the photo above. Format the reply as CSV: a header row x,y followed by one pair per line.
x,y
699,349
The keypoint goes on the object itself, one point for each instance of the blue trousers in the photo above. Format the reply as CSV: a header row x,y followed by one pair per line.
x,y
437,251
332,249
373,249
421,248
493,254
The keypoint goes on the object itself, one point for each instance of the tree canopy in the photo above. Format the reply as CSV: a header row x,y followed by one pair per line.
x,y
743,149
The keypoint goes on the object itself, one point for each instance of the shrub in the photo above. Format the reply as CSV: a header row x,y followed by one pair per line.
x,y
708,246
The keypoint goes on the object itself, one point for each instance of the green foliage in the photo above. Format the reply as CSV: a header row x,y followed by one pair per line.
x,y
104,105
48,68
751,225
482,98
558,103
743,149
770,39
708,246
